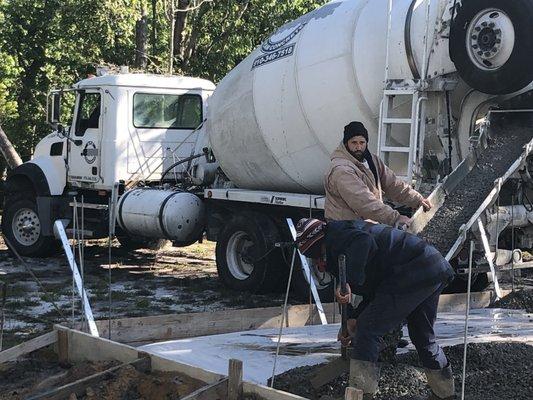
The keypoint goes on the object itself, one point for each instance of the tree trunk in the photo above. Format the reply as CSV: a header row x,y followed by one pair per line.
x,y
154,26
10,154
171,41
179,26
141,37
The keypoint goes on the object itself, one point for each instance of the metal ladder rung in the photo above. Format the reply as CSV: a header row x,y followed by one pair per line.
x,y
406,121
399,92
391,149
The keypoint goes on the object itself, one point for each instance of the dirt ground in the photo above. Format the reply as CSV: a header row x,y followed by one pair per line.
x,y
143,282
41,372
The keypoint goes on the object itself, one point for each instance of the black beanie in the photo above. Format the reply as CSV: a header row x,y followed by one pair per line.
x,y
354,128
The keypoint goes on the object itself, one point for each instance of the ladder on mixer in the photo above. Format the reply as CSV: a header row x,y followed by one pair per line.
x,y
386,144
410,90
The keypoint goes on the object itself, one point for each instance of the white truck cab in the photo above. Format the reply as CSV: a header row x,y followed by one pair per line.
x,y
129,127
125,128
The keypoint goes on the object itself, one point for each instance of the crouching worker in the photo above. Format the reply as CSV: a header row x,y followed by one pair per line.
x,y
397,277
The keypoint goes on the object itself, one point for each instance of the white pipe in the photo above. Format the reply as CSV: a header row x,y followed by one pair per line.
x,y
60,232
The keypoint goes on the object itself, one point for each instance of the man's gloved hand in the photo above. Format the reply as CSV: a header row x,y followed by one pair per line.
x,y
345,340
426,204
403,223
348,298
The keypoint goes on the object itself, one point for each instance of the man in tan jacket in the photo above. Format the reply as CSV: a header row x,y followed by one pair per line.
x,y
356,181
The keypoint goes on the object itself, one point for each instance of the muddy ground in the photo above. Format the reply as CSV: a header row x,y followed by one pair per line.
x,y
143,282
41,372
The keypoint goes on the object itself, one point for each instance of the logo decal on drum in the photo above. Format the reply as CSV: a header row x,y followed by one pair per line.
x,y
275,50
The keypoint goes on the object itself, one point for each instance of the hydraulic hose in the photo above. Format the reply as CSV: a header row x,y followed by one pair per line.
x,y
190,158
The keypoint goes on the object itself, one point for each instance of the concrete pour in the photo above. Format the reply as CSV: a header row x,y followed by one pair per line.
x,y
312,345
505,146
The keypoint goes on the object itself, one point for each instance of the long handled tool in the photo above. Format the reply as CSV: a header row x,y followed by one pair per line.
x,y
340,365
344,315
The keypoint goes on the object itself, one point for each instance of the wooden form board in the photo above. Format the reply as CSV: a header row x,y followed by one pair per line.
x,y
27,347
84,347
178,326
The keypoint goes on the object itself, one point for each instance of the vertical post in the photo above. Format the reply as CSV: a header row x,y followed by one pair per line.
x,y
467,315
352,393
234,379
62,346
2,315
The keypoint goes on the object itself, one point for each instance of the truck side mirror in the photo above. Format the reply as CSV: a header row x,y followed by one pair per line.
x,y
54,109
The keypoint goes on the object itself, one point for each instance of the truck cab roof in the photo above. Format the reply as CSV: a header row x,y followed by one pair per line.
x,y
148,81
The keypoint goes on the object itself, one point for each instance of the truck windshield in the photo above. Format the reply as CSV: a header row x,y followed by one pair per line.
x,y
167,111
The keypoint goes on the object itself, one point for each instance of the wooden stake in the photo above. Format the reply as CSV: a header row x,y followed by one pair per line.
x,y
353,394
62,347
235,379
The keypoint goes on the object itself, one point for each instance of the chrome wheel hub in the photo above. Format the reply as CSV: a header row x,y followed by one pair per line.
x,y
26,227
490,39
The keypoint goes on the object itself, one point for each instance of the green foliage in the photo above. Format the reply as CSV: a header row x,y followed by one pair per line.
x,y
46,44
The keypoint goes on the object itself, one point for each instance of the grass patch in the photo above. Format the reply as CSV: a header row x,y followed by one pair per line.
x,y
143,303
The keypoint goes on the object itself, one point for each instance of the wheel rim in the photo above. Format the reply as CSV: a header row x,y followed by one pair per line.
x,y
490,39
237,255
26,226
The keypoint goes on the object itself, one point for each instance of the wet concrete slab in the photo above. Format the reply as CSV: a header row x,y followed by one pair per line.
x,y
312,345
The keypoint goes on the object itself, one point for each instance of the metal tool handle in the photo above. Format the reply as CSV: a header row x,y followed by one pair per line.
x,y
343,290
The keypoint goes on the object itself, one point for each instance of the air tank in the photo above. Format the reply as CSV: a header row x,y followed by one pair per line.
x,y
275,119
155,213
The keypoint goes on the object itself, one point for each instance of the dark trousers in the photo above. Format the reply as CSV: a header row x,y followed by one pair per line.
x,y
386,311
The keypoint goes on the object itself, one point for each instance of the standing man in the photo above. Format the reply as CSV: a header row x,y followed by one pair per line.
x,y
356,179
400,277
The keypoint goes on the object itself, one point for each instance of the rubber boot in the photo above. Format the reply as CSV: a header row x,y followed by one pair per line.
x,y
441,383
364,375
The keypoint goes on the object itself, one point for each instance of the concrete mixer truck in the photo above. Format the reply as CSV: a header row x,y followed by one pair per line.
x,y
430,79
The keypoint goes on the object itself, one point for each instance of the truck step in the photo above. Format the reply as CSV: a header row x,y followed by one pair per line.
x,y
87,234
91,206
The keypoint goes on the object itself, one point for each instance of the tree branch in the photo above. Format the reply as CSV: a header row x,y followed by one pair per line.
x,y
184,10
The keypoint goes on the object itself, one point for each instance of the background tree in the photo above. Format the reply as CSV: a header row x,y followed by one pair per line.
x,y
54,43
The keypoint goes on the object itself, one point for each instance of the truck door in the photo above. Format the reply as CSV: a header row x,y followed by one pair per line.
x,y
86,132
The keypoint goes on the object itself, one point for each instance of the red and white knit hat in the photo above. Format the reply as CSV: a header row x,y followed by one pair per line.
x,y
309,231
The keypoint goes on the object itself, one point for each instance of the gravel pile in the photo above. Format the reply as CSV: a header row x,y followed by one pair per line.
x,y
505,147
519,300
495,371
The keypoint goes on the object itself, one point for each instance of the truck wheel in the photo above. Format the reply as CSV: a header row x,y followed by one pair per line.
x,y
21,226
246,257
491,44
130,243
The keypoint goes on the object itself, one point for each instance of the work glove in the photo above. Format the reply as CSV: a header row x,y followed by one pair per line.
x,y
348,298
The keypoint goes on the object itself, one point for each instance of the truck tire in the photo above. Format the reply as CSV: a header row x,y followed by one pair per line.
x,y
491,44
246,256
136,243
21,227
